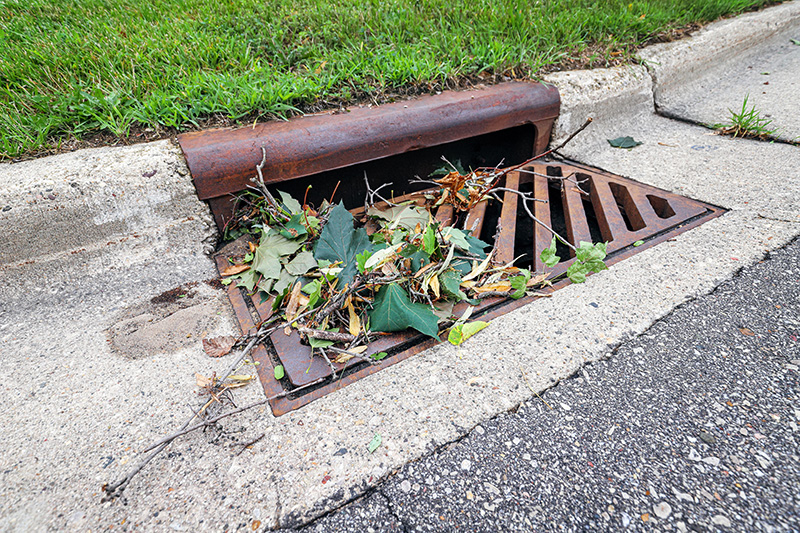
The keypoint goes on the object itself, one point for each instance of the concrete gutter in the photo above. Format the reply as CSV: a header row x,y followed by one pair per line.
x,y
80,403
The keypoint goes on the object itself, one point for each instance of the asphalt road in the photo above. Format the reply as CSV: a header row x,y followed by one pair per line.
x,y
691,426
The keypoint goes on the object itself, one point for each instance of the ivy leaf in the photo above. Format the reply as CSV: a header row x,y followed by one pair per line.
x,y
519,284
339,241
587,251
301,264
461,332
290,203
577,272
279,372
638,243
548,255
624,142
378,356
394,311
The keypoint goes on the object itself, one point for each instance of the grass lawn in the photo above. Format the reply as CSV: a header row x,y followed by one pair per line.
x,y
70,70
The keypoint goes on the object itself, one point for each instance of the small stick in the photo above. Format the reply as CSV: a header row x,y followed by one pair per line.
x,y
525,376
327,335
255,440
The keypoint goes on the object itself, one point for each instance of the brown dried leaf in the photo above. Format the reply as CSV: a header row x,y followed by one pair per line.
x,y
538,278
219,346
234,269
359,349
294,302
747,331
201,380
252,246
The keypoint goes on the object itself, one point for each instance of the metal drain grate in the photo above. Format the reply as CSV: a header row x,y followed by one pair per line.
x,y
603,207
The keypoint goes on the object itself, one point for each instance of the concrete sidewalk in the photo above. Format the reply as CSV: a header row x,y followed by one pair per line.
x,y
107,290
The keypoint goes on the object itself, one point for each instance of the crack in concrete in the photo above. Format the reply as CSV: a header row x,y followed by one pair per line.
x,y
392,511
776,219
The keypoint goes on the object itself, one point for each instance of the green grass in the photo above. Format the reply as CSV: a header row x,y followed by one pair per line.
x,y
71,69
747,123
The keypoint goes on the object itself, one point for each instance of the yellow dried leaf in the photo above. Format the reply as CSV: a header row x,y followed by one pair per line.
x,y
343,358
468,284
252,246
240,377
477,270
355,323
500,286
434,284
359,349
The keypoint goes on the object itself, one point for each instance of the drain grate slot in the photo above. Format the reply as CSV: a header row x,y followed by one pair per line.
x,y
581,203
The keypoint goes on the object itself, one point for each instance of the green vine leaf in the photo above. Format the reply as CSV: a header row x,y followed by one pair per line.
x,y
394,311
340,241
279,372
548,255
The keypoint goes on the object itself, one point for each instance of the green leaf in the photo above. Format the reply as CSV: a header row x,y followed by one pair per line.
x,y
477,246
519,284
290,203
339,241
394,311
279,373
591,252
361,260
577,272
457,237
404,216
246,279
429,240
285,280
276,244
450,282
638,243
319,343
375,442
302,263
266,263
624,142
294,228
461,332
548,255
795,41
378,356
314,291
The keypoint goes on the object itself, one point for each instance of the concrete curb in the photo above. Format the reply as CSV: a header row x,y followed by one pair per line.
x,y
712,49
92,198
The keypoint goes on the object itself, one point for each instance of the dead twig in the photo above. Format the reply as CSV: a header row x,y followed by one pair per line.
x,y
245,446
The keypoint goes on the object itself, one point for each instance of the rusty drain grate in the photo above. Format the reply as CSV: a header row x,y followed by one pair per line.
x,y
606,207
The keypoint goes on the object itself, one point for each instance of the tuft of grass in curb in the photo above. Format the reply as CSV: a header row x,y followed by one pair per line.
x,y
133,70
747,123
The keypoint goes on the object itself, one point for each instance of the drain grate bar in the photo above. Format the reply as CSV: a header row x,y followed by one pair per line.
x,y
602,205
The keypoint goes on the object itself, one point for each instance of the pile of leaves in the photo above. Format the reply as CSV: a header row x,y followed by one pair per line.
x,y
342,282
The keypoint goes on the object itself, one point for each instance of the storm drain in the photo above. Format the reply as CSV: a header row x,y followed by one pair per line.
x,y
578,202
